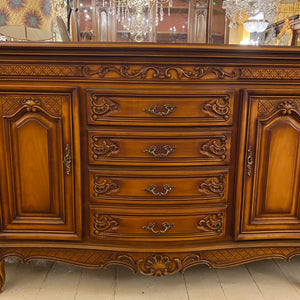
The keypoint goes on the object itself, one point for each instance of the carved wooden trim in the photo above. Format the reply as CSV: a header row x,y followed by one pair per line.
x,y
218,107
104,223
215,148
159,265
213,185
103,147
102,106
269,105
160,72
172,72
40,70
151,263
103,186
116,71
31,104
270,72
212,222
286,107
12,104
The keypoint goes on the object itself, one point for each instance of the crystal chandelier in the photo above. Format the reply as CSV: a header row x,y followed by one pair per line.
x,y
255,15
138,17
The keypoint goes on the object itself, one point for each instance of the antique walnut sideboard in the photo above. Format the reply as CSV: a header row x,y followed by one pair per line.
x,y
153,157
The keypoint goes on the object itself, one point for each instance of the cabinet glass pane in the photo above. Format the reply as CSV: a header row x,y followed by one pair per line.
x,y
251,22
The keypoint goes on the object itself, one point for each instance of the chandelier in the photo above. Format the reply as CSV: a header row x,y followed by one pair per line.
x,y
138,17
255,15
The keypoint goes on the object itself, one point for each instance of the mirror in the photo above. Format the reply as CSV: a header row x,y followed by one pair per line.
x,y
217,22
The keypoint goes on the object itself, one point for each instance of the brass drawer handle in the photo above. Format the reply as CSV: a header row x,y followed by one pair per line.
x,y
167,188
67,160
151,226
152,151
152,110
249,161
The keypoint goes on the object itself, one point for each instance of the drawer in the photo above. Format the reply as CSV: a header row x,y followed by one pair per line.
x,y
177,147
159,186
160,106
205,223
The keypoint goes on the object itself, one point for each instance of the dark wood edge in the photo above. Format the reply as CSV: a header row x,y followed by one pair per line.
x,y
148,50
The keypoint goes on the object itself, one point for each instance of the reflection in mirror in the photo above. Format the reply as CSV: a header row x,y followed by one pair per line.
x,y
248,22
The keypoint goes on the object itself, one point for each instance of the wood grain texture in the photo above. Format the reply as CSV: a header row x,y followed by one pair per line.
x,y
149,154
271,198
156,264
36,129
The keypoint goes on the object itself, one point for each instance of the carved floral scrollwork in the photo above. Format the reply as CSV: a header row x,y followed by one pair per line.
x,y
212,222
102,106
214,185
31,104
160,72
270,105
50,104
158,265
215,148
103,147
286,107
104,223
218,107
103,186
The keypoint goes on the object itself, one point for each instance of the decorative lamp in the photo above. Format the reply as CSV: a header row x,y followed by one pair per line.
x,y
246,12
31,20
256,24
138,17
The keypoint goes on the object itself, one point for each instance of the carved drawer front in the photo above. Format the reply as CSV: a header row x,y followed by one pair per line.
x,y
160,186
206,223
160,106
156,148
41,181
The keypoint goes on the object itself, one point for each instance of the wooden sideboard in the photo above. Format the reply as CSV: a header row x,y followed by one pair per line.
x,y
153,157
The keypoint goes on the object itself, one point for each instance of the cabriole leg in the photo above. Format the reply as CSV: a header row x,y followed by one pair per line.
x,y
2,275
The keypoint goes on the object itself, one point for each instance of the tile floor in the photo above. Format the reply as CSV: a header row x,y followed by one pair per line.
x,y
263,280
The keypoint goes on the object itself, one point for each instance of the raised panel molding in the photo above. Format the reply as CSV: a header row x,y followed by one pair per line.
x,y
38,196
270,202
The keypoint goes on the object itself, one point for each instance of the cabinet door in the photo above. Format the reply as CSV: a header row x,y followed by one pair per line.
x,y
40,187
268,206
